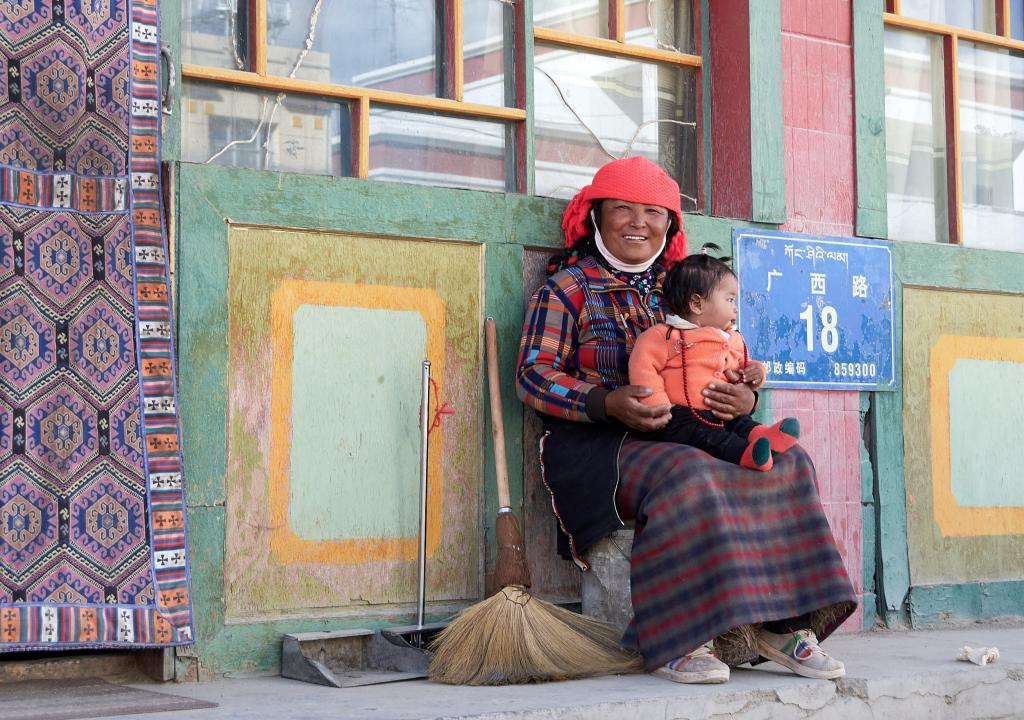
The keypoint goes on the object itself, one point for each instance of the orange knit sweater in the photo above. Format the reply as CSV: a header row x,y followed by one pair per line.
x,y
657,362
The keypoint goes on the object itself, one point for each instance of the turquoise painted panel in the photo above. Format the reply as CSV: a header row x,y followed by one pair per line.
x,y
985,452
356,393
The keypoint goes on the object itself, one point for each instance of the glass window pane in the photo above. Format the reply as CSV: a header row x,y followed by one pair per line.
x,y
665,24
1017,19
992,146
433,149
580,17
487,37
293,133
973,14
590,109
915,137
401,57
214,34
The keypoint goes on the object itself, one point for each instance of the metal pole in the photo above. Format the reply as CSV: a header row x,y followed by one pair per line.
x,y
424,430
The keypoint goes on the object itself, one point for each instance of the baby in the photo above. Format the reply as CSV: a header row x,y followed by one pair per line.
x,y
694,347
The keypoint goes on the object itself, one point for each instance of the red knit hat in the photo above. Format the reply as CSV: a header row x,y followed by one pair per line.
x,y
633,179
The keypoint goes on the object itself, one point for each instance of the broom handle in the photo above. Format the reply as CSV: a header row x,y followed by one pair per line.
x,y
497,421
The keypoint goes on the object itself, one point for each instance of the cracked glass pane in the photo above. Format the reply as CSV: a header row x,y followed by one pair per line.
x,y
213,36
589,109
440,150
327,41
663,24
973,14
243,128
580,17
487,37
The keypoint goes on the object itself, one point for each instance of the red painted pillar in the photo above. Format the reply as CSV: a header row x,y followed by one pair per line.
x,y
817,61
730,125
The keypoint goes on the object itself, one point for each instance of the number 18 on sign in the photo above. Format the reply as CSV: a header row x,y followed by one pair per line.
x,y
817,311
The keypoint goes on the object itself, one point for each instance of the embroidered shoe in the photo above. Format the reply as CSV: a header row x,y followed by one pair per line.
x,y
799,651
698,667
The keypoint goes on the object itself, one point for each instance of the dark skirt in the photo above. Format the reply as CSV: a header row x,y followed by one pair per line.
x,y
719,547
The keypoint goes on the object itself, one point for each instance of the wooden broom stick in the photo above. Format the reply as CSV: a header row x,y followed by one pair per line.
x,y
510,567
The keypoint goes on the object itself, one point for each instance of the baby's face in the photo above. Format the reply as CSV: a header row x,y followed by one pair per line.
x,y
719,308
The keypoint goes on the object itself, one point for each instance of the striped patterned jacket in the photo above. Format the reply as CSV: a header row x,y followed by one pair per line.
x,y
580,327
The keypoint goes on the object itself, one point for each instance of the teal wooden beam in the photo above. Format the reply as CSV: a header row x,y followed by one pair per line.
x,y
206,528
364,206
170,37
701,229
869,540
503,300
869,105
892,572
869,609
933,604
212,193
202,337
950,266
767,137
525,60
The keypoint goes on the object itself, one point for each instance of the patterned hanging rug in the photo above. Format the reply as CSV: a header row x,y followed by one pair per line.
x,y
92,512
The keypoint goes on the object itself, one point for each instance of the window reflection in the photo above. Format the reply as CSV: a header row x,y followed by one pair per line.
x,y
972,14
915,138
225,126
439,150
487,37
213,33
579,17
992,146
402,56
664,24
590,109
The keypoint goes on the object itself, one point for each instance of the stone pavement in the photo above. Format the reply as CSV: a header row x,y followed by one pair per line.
x,y
890,674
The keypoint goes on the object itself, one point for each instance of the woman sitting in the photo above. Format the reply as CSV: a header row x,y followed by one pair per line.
x,y
719,551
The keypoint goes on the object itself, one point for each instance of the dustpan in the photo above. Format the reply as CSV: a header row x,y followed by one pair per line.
x,y
355,657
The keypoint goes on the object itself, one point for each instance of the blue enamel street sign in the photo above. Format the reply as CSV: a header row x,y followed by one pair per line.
x,y
817,311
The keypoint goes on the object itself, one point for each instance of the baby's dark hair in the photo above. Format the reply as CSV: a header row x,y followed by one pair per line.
x,y
694,275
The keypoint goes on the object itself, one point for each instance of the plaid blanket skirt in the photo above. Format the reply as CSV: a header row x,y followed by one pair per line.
x,y
719,547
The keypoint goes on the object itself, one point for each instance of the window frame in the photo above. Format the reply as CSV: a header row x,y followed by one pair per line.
x,y
951,36
519,116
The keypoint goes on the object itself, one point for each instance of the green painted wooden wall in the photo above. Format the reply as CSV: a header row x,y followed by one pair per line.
x,y
208,198
212,199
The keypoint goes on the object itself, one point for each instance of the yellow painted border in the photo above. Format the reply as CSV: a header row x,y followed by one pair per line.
x,y
907,23
954,520
277,83
286,547
547,36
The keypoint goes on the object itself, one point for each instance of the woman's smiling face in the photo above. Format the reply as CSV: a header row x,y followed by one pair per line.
x,y
633,232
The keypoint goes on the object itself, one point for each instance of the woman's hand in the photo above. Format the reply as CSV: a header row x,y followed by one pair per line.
x,y
624,405
727,400
753,375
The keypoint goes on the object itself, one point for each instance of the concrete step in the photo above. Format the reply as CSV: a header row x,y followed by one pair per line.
x,y
901,675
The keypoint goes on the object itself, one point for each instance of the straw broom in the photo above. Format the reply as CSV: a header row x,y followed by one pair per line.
x,y
513,637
